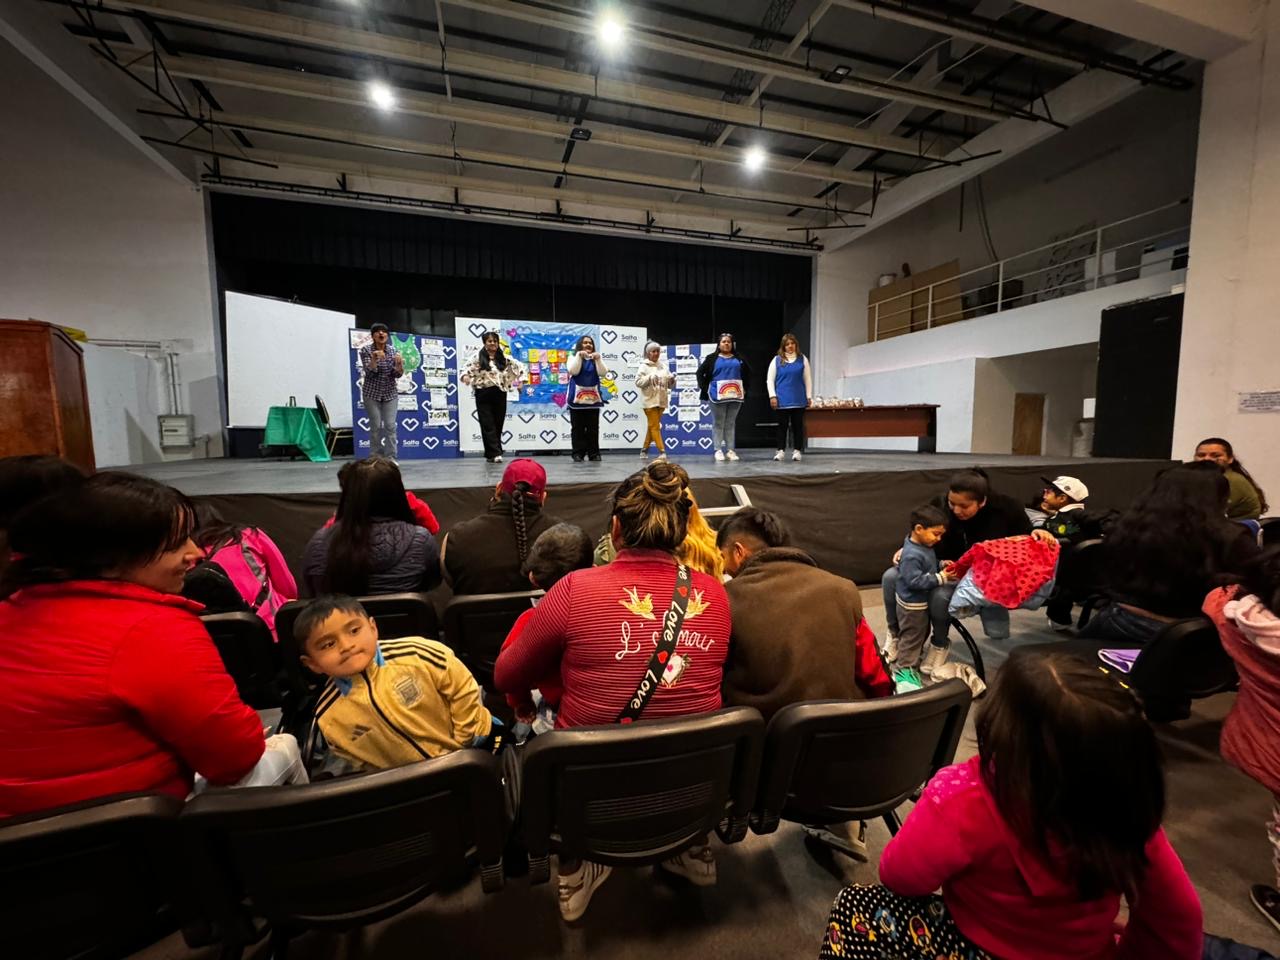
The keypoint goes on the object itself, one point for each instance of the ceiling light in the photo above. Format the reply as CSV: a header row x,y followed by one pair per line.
x,y
611,30
754,159
381,96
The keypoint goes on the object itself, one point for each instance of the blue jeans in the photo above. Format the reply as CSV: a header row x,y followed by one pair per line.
x,y
1114,622
382,427
995,620
724,421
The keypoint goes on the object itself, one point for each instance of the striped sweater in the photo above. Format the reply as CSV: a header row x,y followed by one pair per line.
x,y
600,627
421,703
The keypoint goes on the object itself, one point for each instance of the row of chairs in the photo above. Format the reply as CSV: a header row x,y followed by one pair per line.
x,y
99,879
269,674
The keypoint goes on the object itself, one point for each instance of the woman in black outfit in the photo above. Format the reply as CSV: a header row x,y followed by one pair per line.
x,y
1168,551
491,374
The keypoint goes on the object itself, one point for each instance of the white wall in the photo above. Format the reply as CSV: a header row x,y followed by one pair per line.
x,y
1127,159
1229,326
1065,377
125,397
97,237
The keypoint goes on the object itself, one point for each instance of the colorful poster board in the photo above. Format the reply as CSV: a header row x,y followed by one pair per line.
x,y
686,426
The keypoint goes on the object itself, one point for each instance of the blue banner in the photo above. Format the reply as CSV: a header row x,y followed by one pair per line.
x,y
427,421
686,426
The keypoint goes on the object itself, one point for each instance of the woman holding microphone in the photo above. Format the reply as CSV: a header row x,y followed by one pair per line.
x,y
654,381
490,375
586,398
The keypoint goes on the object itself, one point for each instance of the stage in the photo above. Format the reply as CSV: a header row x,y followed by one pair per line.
x,y
848,509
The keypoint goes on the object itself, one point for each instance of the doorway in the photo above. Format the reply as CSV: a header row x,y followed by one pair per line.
x,y
1028,424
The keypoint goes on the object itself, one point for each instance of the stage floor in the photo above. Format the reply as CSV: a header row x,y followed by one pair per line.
x,y
283,477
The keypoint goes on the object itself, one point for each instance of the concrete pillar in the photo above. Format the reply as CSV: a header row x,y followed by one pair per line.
x,y
1231,321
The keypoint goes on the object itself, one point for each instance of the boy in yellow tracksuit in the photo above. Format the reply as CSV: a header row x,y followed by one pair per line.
x,y
392,703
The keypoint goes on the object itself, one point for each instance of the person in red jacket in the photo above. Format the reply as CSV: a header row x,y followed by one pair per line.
x,y
601,626
112,683
1035,840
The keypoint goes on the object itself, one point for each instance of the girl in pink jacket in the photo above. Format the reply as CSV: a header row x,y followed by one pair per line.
x,y
251,561
1035,840
1247,621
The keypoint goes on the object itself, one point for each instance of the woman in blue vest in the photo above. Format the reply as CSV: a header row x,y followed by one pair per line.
x,y
790,389
586,397
722,377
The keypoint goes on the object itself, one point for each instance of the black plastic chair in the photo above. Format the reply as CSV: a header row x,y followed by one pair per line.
x,y
344,853
250,654
638,794
94,880
1185,661
832,761
476,624
397,614
979,667
1270,535
1085,569
332,434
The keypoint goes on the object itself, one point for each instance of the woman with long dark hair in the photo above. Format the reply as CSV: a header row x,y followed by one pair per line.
x,y
1246,500
112,683
491,375
243,558
485,554
586,398
722,378
790,386
374,546
26,479
1167,551
1035,840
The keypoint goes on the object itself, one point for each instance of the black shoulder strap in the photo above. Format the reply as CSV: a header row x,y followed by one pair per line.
x,y
672,620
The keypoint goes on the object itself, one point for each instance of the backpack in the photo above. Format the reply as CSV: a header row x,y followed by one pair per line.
x,y
208,583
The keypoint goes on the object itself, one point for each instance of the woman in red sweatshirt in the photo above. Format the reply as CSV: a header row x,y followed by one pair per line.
x,y
111,681
600,626
1035,840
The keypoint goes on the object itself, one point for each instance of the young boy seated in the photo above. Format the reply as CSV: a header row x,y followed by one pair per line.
x,y
558,551
389,703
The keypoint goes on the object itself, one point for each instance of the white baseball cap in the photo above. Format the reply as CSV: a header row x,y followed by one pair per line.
x,y
1070,487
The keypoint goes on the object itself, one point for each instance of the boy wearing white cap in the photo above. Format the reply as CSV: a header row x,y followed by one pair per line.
x,y
654,381
1059,507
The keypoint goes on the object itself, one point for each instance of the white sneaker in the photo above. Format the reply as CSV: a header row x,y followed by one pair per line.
x,y
644,454
732,455
890,648
849,838
662,457
720,456
778,455
577,888
795,455
935,657
697,865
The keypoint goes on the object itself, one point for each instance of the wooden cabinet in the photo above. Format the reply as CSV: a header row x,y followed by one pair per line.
x,y
44,407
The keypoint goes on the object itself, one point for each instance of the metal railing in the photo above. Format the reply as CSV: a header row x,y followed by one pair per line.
x,y
1101,256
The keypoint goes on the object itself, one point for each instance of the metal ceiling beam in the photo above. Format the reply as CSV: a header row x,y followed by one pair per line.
x,y
329,36
351,93
418,148
727,55
505,188
992,34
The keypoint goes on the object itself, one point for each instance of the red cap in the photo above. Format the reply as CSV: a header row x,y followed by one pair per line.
x,y
530,471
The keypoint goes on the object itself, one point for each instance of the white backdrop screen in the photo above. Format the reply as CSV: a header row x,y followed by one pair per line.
x,y
276,350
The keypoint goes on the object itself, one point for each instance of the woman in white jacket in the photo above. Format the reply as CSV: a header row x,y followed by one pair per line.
x,y
654,382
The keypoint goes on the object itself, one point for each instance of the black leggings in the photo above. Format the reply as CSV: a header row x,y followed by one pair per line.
x,y
585,432
792,417
491,410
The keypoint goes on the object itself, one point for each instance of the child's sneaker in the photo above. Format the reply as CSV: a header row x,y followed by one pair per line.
x,y
890,648
697,865
577,888
934,657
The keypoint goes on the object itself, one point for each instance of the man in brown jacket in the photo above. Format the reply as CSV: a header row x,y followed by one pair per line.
x,y
795,634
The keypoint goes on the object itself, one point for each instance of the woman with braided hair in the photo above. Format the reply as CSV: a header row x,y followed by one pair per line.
x,y
485,554
600,627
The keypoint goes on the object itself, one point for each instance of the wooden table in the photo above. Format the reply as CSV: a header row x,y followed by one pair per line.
x,y
918,420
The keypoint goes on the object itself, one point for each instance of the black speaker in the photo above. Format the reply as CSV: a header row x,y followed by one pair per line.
x,y
1138,378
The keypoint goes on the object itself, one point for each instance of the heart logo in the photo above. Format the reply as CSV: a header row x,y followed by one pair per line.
x,y
688,426
512,331
506,436
672,442
450,353
528,417
431,442
704,443
560,399
364,423
705,408
662,656
475,415
547,436
672,410
450,425
610,416
629,357
683,591
608,336
566,418
451,389
477,329
631,436
630,396
410,423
